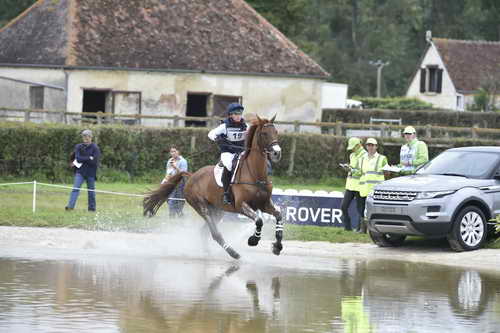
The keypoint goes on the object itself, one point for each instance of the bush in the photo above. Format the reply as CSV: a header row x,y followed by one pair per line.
x,y
415,118
40,151
394,103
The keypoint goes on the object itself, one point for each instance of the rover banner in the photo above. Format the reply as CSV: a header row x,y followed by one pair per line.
x,y
313,209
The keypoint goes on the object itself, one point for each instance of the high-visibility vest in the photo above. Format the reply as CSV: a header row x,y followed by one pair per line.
x,y
352,181
415,153
371,173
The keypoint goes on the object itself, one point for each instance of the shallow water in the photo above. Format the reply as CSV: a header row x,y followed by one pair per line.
x,y
124,287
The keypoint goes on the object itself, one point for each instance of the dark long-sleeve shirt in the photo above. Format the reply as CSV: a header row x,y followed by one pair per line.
x,y
82,155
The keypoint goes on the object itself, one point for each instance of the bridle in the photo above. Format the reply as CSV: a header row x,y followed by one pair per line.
x,y
268,148
265,151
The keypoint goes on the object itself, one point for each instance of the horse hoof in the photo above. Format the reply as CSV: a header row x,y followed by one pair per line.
x,y
277,247
253,241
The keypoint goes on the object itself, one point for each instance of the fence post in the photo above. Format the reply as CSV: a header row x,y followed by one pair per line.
x,y
428,131
176,121
296,126
193,143
292,156
383,130
99,117
338,129
34,197
474,132
27,115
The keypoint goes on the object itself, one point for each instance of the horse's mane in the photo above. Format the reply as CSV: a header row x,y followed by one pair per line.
x,y
251,133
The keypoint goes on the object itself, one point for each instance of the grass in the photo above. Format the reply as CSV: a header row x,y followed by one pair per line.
x,y
124,213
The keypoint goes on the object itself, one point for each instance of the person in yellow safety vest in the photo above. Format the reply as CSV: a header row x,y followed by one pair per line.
x,y
413,154
371,174
352,181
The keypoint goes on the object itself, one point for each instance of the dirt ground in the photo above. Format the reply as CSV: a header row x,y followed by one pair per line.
x,y
71,239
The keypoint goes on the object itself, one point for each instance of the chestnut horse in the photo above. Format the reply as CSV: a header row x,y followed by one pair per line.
x,y
251,188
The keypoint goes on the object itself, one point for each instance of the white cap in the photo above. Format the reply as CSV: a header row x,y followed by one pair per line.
x,y
87,132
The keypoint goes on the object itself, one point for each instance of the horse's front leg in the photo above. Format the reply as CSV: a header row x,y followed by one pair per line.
x,y
250,213
270,209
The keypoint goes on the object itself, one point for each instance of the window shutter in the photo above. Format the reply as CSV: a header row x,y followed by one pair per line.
x,y
439,81
422,79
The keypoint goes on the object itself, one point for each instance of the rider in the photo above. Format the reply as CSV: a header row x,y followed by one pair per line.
x,y
230,136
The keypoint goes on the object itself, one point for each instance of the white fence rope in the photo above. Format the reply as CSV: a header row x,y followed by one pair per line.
x,y
16,183
35,183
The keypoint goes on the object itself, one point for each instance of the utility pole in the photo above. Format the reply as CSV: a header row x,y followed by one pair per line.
x,y
379,64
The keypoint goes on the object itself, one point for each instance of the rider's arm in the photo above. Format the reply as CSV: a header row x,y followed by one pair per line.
x,y
213,134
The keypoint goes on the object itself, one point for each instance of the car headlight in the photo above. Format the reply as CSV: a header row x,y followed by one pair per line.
x,y
433,194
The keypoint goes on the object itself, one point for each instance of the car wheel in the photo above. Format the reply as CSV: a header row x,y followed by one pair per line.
x,y
468,293
469,230
387,240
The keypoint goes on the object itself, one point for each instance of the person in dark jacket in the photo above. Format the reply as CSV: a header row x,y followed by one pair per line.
x,y
230,136
87,156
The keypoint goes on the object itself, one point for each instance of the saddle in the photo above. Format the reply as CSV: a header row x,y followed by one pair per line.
x,y
219,168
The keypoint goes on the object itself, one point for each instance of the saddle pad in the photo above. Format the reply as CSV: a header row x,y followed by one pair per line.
x,y
219,169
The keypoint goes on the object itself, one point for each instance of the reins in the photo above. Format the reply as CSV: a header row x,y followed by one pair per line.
x,y
259,183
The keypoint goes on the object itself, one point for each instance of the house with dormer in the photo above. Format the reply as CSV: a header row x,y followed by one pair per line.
x,y
451,72
155,57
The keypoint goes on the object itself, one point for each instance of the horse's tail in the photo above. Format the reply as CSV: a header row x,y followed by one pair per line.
x,y
154,199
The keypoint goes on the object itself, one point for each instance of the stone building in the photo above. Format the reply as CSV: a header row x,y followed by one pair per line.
x,y
155,57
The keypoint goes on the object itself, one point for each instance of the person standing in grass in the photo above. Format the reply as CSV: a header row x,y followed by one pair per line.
x,y
414,153
371,174
352,182
87,156
176,164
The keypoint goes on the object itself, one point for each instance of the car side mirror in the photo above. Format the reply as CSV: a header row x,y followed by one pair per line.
x,y
497,174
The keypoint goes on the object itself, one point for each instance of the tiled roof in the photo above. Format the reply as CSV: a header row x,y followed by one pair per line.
x,y
200,35
467,61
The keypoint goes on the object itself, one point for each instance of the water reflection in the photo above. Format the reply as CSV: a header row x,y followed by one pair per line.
x,y
108,294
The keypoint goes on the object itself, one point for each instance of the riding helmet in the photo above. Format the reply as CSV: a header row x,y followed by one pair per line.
x,y
236,108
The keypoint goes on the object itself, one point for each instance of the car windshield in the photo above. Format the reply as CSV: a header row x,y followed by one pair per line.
x,y
461,163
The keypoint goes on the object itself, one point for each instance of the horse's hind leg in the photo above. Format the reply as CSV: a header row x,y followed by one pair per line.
x,y
210,216
249,212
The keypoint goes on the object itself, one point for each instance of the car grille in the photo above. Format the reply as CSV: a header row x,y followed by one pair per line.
x,y
394,195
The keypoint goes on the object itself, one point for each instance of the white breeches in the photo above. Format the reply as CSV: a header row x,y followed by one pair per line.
x,y
227,160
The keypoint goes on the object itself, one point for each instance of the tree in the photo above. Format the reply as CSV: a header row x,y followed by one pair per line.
x,y
11,8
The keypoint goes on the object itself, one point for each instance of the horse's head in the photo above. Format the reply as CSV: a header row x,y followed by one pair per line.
x,y
268,139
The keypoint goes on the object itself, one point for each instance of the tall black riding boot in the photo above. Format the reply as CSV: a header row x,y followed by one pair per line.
x,y
226,181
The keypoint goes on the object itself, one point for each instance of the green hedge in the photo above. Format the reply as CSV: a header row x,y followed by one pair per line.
x,y
408,117
42,150
394,103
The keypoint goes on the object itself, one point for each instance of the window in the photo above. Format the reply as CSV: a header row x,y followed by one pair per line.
x,y
431,79
196,107
36,97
